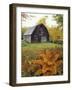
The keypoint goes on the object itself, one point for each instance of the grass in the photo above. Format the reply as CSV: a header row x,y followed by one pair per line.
x,y
37,46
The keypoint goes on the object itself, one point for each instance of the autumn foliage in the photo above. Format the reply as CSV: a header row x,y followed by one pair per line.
x,y
48,62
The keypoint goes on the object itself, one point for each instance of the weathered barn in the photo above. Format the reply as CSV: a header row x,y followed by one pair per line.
x,y
38,33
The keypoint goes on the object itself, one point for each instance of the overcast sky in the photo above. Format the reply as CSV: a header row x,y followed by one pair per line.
x,y
32,19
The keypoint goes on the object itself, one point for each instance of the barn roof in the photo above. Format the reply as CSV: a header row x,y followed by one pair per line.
x,y
30,30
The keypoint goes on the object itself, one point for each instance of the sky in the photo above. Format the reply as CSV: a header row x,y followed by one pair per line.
x,y
31,19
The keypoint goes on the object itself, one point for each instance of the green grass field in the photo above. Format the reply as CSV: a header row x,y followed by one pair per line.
x,y
36,46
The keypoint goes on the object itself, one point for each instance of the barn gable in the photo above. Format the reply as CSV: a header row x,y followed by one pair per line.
x,y
38,33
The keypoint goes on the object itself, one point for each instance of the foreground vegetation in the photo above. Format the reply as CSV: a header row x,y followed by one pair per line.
x,y
42,59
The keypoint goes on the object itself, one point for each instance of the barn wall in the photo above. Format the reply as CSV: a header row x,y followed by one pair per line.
x,y
40,34
27,38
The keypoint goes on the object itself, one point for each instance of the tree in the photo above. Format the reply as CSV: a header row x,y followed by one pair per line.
x,y
59,19
42,20
26,16
55,34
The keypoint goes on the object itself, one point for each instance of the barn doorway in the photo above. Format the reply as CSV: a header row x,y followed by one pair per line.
x,y
43,39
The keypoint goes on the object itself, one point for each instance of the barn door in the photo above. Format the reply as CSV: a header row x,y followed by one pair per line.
x,y
43,39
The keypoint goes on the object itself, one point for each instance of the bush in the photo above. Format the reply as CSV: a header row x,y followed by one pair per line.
x,y
47,62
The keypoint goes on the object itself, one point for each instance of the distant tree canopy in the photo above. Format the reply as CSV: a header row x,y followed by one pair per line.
x,y
42,20
59,19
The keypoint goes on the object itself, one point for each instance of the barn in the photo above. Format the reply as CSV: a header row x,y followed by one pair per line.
x,y
38,33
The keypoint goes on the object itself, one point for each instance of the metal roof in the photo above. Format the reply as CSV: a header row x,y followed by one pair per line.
x,y
30,30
